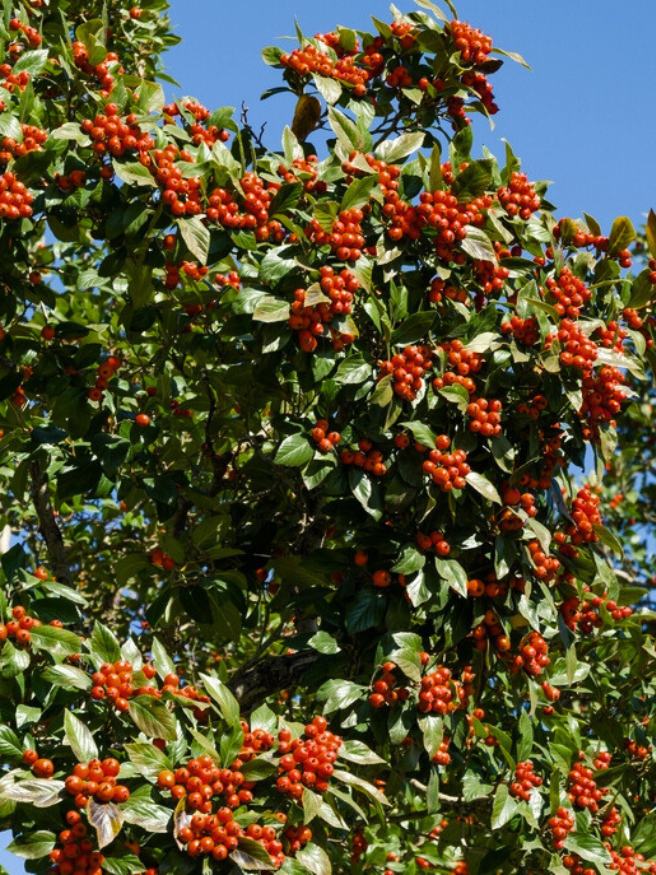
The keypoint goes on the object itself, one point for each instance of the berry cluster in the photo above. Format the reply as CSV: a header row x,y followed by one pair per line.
x,y
532,656
525,781
628,862
611,822
603,396
491,277
114,681
545,567
485,416
224,209
561,825
104,374
307,761
442,211
345,237
297,837
15,199
98,71
577,350
439,290
74,854
439,693
96,779
365,457
386,689
217,835
569,293
519,198
325,439
407,368
399,77
479,83
433,541
162,560
582,788
474,46
585,516
199,133
525,331
228,279
637,751
447,470
201,780
32,140
310,59
585,615
71,181
114,135
18,628
182,196
442,756
306,171
308,318
462,361
30,33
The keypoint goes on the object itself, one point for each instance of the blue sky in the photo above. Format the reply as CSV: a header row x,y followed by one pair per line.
x,y
582,117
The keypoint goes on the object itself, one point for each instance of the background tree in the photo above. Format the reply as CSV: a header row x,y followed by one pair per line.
x,y
302,578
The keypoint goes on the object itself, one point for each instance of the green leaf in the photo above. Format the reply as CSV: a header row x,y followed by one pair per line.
x,y
407,654
270,309
621,234
10,743
482,485
31,62
650,232
588,847
477,244
148,760
362,785
339,694
67,676
161,660
432,728
33,846
134,174
79,738
421,433
315,859
358,193
227,703
106,819
414,328
153,718
400,147
311,805
294,451
196,237
474,180
357,752
104,644
454,574
147,815
504,807
322,642
457,395
57,641
366,492
410,560
353,370
40,792
329,89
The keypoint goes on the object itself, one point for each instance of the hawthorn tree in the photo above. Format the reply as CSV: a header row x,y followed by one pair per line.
x,y
302,457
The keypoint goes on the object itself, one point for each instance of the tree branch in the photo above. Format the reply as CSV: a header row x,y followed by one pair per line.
x,y
252,685
48,527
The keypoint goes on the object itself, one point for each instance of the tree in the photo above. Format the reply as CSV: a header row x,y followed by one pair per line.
x,y
303,576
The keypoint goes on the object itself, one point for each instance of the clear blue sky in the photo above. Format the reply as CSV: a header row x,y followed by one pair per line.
x,y
582,117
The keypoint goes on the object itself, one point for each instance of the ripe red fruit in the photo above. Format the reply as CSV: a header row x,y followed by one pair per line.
x,y
142,420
